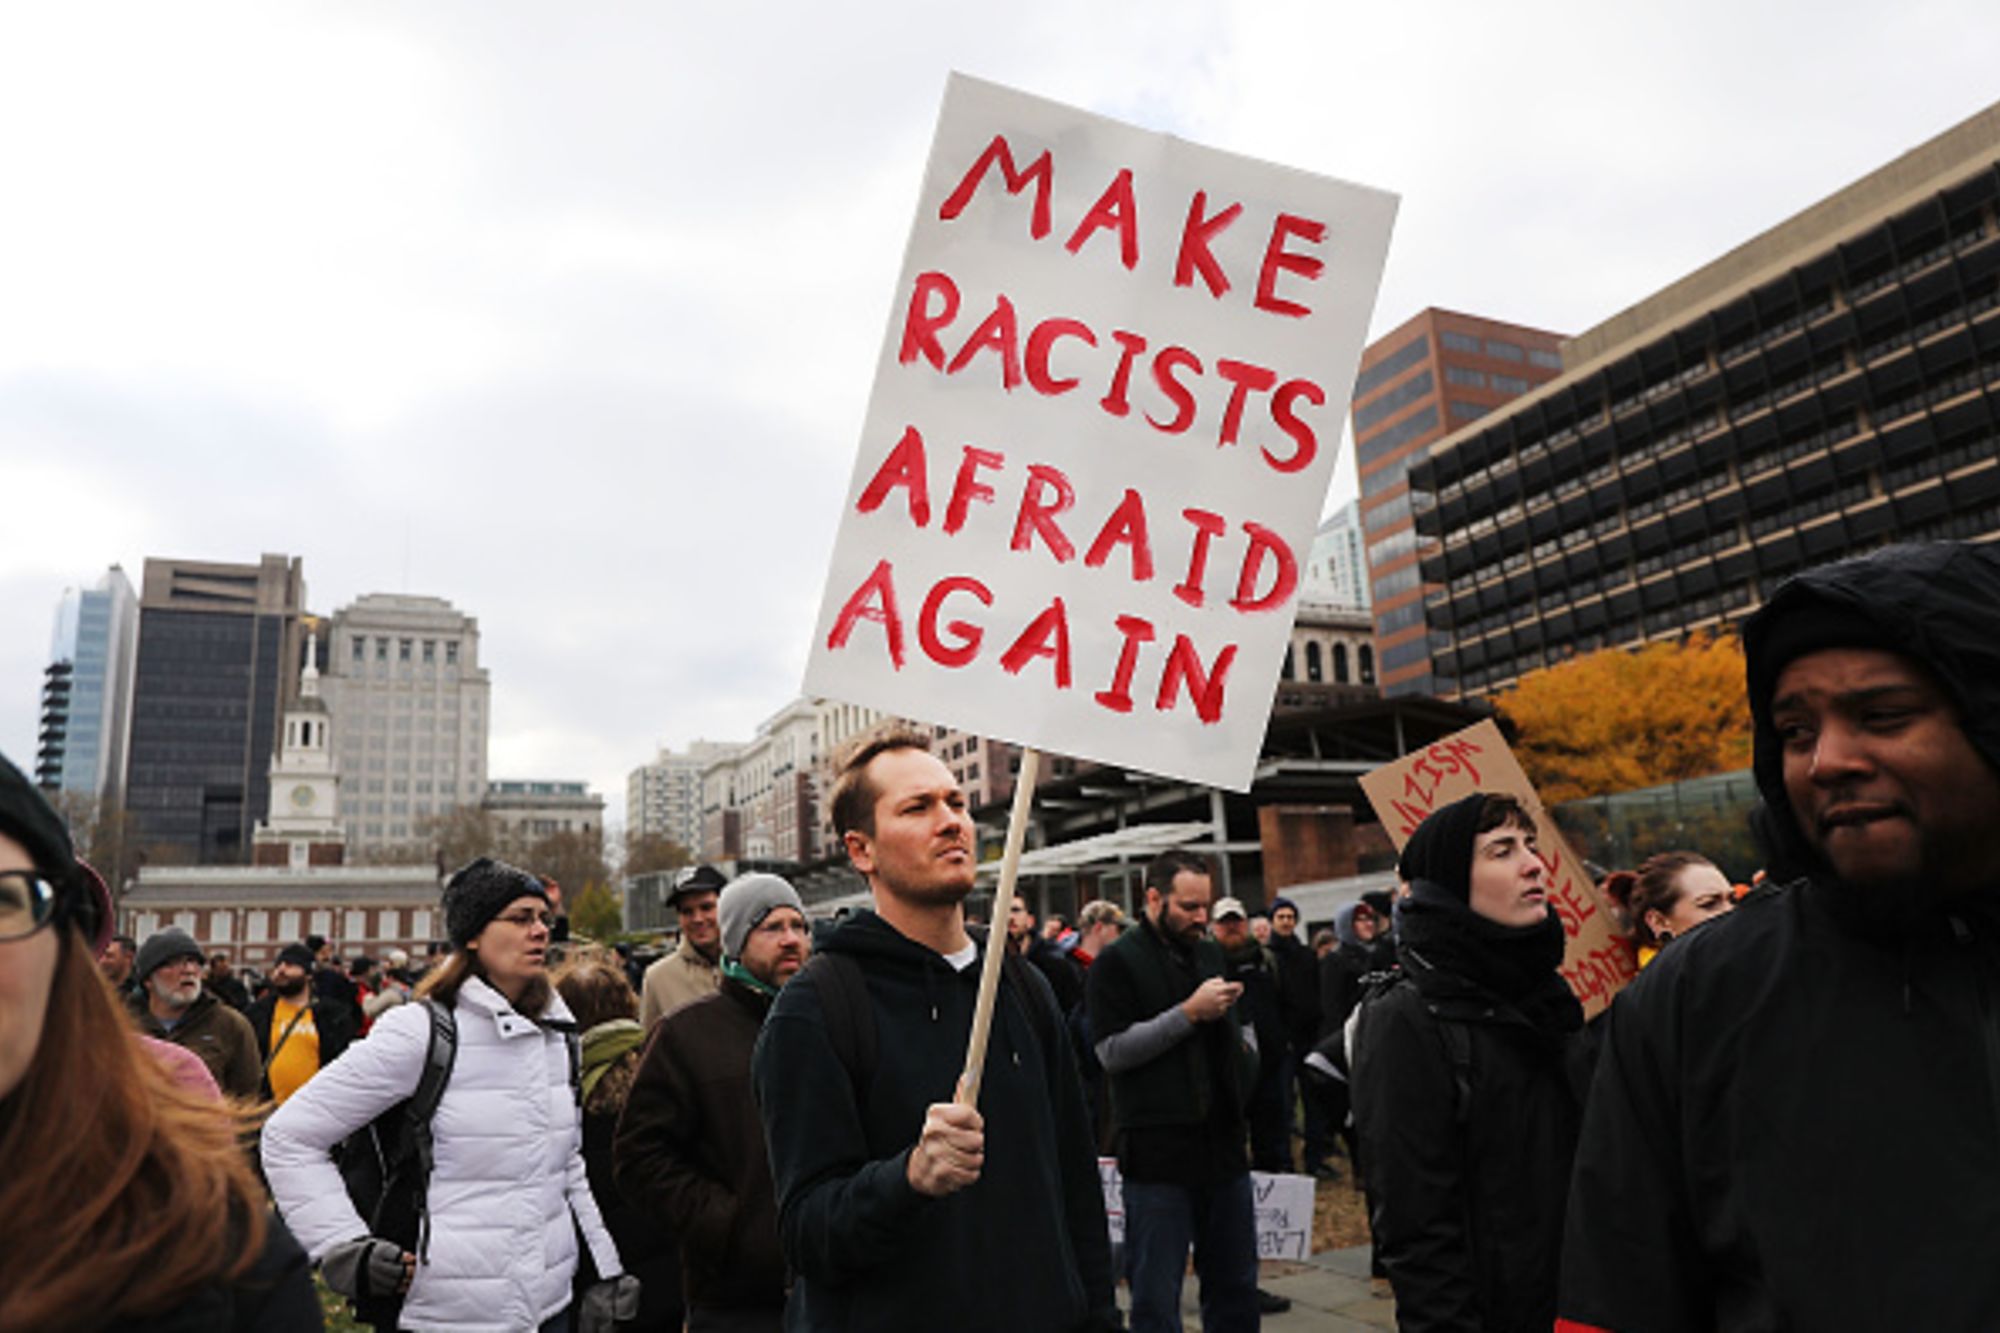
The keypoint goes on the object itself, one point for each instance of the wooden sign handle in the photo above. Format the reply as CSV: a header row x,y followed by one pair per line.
x,y
996,934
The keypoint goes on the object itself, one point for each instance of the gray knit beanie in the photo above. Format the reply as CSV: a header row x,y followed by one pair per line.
x,y
163,947
747,900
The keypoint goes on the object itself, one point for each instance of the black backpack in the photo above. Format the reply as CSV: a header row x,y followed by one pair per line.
x,y
386,1164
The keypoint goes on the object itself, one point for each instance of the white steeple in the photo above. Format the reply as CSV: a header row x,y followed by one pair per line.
x,y
305,784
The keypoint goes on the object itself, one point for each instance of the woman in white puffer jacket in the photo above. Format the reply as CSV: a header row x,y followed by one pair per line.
x,y
508,1174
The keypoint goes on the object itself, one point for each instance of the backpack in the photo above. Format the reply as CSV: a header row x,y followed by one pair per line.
x,y
1454,1036
850,1015
386,1164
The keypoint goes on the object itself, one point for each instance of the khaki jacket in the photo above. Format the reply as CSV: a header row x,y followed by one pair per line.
x,y
682,977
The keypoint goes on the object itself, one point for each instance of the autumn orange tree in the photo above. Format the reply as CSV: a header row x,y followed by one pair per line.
x,y
1617,719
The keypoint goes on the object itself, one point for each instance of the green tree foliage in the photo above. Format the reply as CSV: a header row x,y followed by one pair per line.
x,y
594,913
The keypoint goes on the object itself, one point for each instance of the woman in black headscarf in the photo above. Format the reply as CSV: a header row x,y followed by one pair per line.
x,y
1466,1110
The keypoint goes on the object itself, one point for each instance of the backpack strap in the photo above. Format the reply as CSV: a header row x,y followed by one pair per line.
x,y
575,1044
848,1015
1457,1040
440,1054
265,1073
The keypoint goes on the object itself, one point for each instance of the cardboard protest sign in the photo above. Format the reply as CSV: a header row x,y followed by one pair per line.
x,y
1282,1206
1103,422
1596,962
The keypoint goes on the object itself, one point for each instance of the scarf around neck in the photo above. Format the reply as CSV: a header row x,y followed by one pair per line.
x,y
1514,964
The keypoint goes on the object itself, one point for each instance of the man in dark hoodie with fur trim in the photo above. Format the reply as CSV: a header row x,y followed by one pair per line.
x,y
1464,1099
894,1201
1796,1116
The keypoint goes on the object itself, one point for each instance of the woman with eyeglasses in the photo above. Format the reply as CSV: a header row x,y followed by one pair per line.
x,y
507,1194
126,1201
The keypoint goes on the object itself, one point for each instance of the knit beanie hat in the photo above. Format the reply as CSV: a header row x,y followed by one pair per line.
x,y
163,947
27,818
479,891
295,954
1440,850
747,900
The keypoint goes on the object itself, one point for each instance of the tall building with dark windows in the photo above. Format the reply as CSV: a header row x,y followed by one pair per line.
x,y
1417,384
1829,386
220,648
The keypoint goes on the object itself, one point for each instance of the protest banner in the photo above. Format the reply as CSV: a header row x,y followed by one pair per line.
x,y
1282,1206
1597,964
1103,421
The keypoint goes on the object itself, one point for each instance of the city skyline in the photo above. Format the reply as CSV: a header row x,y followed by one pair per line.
x,y
532,325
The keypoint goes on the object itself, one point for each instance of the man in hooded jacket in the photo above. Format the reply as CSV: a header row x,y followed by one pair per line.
x,y
1463,1099
1796,1117
896,1200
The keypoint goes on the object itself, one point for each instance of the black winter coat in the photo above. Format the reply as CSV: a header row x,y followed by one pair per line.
x,y
1795,1121
1298,993
870,1254
1467,1159
1340,977
1795,1127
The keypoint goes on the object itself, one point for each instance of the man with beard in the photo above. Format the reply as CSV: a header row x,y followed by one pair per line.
x,y
690,1148
1463,1100
892,1194
1793,1120
177,1009
1168,1037
297,1033
693,969
116,964
1039,947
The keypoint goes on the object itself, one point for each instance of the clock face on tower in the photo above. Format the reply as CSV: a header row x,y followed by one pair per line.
x,y
302,796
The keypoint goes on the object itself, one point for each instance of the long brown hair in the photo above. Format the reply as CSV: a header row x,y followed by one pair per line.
x,y
122,1192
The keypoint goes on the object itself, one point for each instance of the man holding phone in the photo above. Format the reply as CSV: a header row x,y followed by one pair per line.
x,y
1165,1027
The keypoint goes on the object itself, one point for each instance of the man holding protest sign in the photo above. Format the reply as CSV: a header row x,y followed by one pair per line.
x,y
1092,454
1463,1101
893,1197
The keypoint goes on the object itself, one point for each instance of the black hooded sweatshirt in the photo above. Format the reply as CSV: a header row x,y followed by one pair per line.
x,y
867,1251
1796,1118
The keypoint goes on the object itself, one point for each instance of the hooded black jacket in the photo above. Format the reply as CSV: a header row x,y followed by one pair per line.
x,y
1796,1117
1467,1112
867,1251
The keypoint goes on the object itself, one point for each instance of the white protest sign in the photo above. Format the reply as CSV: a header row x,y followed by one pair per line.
x,y
1281,1206
1103,422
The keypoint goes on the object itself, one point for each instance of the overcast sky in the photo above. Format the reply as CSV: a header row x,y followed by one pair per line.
x,y
567,312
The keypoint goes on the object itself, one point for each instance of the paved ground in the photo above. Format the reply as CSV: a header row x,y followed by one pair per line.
x,y
1331,1293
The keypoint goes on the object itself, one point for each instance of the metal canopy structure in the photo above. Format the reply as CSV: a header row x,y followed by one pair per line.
x,y
1136,842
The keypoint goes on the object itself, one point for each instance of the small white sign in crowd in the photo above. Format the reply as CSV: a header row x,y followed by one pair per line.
x,y
1283,1206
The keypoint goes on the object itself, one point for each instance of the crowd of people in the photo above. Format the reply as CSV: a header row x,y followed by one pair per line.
x,y
1788,1120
